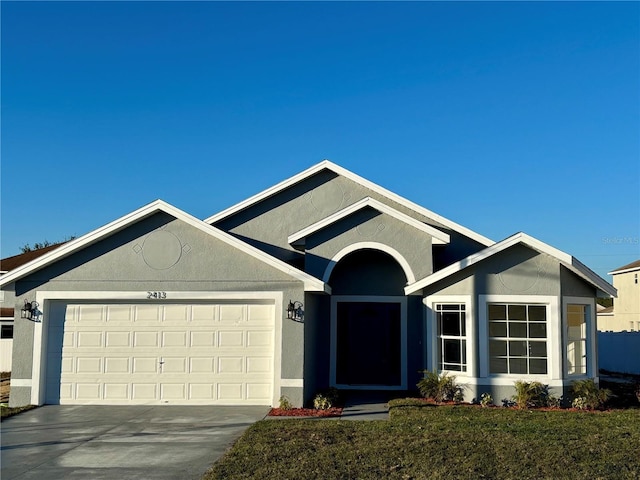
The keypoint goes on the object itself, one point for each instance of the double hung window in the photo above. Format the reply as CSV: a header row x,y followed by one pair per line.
x,y
452,336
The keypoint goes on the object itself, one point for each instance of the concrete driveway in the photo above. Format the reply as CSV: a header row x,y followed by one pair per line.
x,y
119,442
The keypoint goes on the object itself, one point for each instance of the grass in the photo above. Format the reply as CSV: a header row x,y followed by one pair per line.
x,y
422,441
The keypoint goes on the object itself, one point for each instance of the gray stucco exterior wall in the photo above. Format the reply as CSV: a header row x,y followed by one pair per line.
x,y
160,253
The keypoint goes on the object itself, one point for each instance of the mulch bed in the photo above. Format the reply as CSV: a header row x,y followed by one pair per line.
x,y
305,412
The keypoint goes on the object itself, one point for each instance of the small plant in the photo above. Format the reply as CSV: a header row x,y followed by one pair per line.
x,y
580,403
326,399
530,394
507,403
440,387
638,391
285,404
588,396
322,402
486,399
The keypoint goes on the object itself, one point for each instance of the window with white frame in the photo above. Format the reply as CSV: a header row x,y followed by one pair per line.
x,y
517,338
452,337
577,339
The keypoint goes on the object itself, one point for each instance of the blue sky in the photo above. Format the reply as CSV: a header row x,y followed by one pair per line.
x,y
500,116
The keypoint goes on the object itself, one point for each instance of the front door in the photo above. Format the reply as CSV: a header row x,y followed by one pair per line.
x,y
368,344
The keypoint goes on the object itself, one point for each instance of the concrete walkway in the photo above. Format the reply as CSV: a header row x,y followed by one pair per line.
x,y
57,442
366,406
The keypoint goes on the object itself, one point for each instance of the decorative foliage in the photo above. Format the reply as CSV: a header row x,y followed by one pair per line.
x,y
326,399
588,396
440,387
531,394
285,404
486,399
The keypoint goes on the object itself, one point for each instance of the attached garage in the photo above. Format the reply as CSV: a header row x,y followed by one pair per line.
x,y
171,353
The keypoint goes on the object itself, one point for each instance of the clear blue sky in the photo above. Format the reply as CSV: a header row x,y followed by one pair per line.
x,y
503,117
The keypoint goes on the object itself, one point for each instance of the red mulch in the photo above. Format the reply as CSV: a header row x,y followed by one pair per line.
x,y
305,412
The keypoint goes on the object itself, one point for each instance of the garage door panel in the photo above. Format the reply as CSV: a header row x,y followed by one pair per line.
x,y
89,314
202,364
231,338
145,365
202,338
145,339
206,314
117,339
176,314
144,392
170,353
233,314
116,365
87,339
116,391
174,339
172,391
89,365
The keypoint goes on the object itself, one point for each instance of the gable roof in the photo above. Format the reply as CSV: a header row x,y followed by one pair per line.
x,y
310,283
327,165
627,268
519,238
368,202
11,263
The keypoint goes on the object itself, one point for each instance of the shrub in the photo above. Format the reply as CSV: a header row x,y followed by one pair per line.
x,y
588,396
440,388
531,394
285,404
486,399
326,399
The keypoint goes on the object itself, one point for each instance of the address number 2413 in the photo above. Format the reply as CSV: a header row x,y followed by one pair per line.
x,y
156,295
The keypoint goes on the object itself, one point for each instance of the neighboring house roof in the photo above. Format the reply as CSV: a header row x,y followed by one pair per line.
x,y
519,238
310,283
327,165
439,237
606,311
11,263
627,268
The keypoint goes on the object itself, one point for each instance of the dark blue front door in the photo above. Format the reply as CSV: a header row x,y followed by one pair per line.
x,y
368,344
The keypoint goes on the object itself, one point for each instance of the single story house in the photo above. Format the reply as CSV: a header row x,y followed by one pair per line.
x,y
325,279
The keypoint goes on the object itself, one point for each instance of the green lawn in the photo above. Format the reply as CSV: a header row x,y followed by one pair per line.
x,y
440,442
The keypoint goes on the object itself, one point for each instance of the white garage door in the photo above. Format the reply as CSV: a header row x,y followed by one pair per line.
x,y
153,354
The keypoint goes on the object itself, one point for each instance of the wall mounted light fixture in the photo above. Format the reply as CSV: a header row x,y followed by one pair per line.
x,y
30,310
294,311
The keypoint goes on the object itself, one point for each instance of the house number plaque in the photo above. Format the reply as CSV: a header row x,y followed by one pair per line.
x,y
156,295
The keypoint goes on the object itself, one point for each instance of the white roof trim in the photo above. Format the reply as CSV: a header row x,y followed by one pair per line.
x,y
326,164
626,270
311,283
567,260
439,238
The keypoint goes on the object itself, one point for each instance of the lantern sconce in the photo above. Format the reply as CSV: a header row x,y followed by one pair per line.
x,y
30,310
294,311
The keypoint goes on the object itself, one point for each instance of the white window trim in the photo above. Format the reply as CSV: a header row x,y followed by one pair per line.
x,y
592,367
44,298
554,344
335,299
430,353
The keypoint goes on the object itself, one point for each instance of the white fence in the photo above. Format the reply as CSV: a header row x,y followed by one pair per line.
x,y
619,351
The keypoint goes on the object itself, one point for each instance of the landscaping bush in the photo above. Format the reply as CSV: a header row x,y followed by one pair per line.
x,y
588,396
440,387
531,394
326,399
285,404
